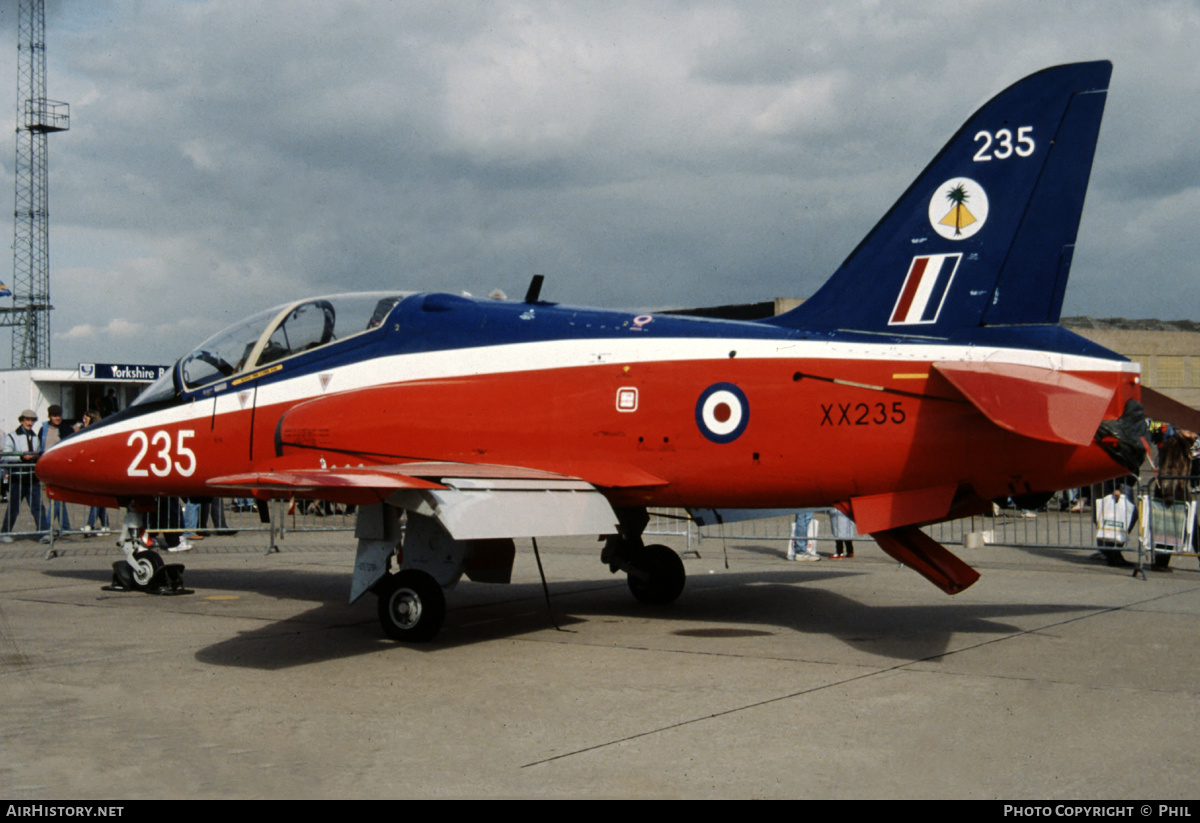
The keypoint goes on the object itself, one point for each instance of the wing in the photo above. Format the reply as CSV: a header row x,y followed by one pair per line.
x,y
473,501
353,486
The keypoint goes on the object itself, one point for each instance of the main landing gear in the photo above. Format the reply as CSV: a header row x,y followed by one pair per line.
x,y
412,606
411,602
655,573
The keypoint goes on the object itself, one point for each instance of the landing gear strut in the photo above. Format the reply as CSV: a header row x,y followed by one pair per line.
x,y
144,571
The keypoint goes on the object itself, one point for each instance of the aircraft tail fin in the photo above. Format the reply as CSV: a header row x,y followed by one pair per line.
x,y
985,234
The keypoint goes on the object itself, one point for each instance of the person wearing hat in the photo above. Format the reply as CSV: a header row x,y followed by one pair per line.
x,y
52,431
22,448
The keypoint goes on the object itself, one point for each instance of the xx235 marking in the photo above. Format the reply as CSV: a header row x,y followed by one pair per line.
x,y
163,462
862,414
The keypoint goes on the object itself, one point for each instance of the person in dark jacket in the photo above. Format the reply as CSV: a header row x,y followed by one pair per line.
x,y
54,430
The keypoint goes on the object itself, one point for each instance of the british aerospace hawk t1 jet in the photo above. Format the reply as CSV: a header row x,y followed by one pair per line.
x,y
926,378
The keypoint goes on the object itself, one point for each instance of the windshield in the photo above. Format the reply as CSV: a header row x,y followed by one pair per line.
x,y
161,389
225,353
284,331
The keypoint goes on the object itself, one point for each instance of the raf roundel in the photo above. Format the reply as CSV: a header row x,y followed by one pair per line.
x,y
722,412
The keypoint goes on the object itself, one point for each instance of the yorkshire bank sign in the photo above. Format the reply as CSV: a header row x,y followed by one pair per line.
x,y
121,371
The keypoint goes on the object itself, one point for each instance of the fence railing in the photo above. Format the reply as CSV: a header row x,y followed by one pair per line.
x,y
30,515
1069,520
1160,526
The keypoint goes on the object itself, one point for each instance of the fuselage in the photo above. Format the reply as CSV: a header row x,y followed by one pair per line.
x,y
651,409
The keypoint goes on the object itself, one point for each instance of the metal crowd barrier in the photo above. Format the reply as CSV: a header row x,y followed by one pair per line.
x,y
1169,528
30,515
1066,521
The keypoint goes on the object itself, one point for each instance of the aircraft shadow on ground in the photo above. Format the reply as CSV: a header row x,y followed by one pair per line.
x,y
740,605
730,605
281,583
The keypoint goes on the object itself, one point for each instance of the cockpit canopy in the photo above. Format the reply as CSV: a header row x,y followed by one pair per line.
x,y
274,335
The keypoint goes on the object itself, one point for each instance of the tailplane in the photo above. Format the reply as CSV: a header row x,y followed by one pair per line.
x,y
985,234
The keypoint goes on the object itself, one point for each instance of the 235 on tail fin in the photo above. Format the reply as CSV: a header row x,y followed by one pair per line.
x,y
985,234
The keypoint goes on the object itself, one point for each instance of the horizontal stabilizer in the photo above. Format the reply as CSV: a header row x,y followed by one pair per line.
x,y
1033,402
927,557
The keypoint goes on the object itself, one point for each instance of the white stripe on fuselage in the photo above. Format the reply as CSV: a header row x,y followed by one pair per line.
x,y
561,354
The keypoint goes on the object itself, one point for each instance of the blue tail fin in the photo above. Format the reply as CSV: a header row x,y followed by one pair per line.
x,y
984,235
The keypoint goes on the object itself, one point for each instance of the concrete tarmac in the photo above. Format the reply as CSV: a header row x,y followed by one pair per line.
x,y
1054,677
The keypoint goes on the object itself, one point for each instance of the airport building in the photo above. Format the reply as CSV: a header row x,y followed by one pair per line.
x,y
76,390
1168,351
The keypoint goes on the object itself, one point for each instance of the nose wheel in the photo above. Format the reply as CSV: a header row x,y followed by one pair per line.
x,y
412,606
146,572
143,568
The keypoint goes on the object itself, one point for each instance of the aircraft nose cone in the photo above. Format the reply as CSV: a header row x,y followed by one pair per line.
x,y
54,467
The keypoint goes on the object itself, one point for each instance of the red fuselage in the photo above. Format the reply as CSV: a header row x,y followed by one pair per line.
x,y
764,420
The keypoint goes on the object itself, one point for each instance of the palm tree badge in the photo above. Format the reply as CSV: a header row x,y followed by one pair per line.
x,y
958,216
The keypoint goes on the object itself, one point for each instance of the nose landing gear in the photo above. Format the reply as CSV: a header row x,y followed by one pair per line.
x,y
147,573
144,571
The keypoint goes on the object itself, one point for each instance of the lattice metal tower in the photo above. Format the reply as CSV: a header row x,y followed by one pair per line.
x,y
37,117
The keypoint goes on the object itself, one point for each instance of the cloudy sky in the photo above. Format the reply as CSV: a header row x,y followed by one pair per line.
x,y
228,155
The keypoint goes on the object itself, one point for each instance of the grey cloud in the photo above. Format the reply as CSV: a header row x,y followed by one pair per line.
x,y
225,156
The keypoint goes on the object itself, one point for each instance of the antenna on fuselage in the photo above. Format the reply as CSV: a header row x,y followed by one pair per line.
x,y
535,288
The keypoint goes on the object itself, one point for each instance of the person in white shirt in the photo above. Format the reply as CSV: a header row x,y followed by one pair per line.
x,y
22,448
1115,515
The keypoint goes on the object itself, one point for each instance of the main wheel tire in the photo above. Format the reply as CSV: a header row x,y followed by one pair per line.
x,y
658,575
145,565
412,606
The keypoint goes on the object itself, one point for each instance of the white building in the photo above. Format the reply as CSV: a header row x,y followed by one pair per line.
x,y
76,390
